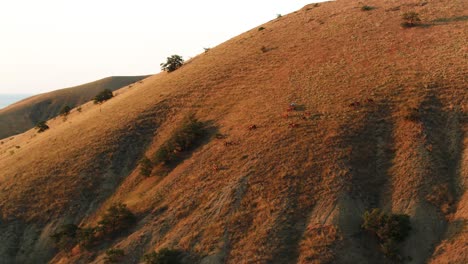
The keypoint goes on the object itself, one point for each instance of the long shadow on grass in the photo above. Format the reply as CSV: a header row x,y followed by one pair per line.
x,y
370,153
443,130
369,143
369,138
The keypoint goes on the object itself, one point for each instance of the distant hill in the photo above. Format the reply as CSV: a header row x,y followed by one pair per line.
x,y
311,120
25,114
8,99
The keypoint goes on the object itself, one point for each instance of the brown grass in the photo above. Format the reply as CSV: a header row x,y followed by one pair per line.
x,y
278,180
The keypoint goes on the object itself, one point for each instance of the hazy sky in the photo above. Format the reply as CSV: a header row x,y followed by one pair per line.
x,y
51,44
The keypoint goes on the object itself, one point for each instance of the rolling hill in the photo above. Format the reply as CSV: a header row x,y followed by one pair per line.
x,y
25,114
310,120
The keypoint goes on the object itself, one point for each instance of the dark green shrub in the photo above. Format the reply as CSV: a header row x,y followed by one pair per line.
x,y
42,126
165,154
397,227
146,166
261,28
367,8
164,256
114,255
278,15
65,237
390,229
116,219
86,237
374,220
173,63
390,248
411,19
184,138
103,96
65,110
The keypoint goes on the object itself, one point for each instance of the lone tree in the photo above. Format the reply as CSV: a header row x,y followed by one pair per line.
x,y
173,63
411,19
42,126
65,110
103,96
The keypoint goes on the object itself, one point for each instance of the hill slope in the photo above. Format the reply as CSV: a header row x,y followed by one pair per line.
x,y
380,121
25,114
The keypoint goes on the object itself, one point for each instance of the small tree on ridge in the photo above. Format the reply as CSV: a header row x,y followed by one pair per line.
x,y
103,96
173,63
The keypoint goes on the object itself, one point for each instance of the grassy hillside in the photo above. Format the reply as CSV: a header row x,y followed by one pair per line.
x,y
379,121
25,114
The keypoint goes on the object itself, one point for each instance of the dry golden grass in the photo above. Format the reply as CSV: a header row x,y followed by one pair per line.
x,y
347,148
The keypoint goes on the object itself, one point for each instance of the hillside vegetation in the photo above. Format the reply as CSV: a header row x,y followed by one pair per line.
x,y
303,128
23,115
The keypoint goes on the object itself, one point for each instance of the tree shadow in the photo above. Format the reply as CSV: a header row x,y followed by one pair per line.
x,y
445,20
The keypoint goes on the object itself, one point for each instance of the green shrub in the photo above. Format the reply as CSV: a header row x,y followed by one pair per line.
x,y
65,110
172,63
261,28
114,255
86,237
165,154
103,96
184,138
390,248
374,220
42,126
411,19
65,237
278,15
390,229
146,166
367,8
116,219
164,256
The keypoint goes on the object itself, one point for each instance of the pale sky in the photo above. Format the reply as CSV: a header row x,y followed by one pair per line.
x,y
51,44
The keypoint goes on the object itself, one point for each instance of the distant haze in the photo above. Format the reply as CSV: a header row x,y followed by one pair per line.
x,y
52,44
8,99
